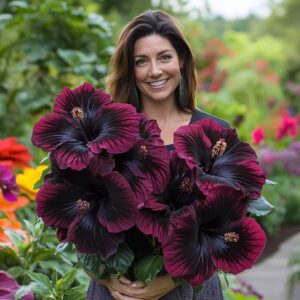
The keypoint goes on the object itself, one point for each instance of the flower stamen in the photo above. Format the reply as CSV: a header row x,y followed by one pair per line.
x,y
231,237
143,151
82,206
77,113
187,185
219,148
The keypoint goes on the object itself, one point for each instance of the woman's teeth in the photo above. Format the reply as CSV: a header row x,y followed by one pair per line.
x,y
158,83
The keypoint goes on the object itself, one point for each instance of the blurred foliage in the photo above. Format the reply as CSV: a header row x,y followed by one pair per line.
x,y
37,266
45,46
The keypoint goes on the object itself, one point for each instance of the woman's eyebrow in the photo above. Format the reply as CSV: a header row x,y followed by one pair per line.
x,y
159,53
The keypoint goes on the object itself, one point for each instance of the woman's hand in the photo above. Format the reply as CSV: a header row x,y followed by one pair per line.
x,y
156,289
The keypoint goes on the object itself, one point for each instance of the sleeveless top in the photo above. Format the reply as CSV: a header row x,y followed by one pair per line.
x,y
211,288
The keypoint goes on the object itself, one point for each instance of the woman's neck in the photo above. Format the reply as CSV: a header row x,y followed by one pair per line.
x,y
162,112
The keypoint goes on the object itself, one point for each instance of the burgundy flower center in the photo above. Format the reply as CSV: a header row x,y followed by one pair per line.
x,y
219,148
143,151
231,237
187,185
82,206
77,113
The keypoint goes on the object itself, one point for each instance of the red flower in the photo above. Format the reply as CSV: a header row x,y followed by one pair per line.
x,y
257,135
13,154
288,126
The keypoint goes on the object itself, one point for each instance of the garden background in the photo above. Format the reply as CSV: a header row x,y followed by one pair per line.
x,y
249,75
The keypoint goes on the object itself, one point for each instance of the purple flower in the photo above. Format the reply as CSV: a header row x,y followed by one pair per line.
x,y
8,185
146,164
210,235
84,125
92,211
9,287
219,158
156,212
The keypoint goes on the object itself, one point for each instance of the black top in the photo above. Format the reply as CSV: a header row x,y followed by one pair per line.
x,y
198,115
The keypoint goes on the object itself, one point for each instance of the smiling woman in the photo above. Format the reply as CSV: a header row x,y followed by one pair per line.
x,y
153,69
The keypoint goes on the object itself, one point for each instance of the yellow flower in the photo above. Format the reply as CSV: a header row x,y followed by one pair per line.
x,y
28,178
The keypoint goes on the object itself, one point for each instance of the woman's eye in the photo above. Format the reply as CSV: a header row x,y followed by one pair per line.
x,y
165,57
140,62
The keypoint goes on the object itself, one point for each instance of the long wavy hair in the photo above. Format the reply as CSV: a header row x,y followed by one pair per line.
x,y
120,80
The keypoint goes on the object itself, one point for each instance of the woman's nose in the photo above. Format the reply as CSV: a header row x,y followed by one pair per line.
x,y
155,70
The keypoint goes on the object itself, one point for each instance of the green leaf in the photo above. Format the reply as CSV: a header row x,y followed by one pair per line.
x,y
24,290
38,227
147,269
61,247
92,264
42,254
259,207
16,271
121,260
41,279
76,58
64,283
38,184
3,215
78,293
16,237
270,182
29,227
8,255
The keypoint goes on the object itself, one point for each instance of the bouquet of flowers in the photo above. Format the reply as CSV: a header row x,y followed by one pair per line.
x,y
131,207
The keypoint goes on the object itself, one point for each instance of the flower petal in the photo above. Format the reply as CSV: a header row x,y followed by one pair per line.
x,y
92,238
85,96
118,128
118,212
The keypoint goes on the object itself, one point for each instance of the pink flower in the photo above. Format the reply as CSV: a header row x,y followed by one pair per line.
x,y
288,126
257,135
9,287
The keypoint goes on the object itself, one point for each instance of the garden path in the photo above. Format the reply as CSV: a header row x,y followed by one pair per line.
x,y
269,277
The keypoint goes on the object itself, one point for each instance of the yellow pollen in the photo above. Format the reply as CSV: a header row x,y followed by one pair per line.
x,y
186,185
143,151
219,148
77,113
231,237
82,206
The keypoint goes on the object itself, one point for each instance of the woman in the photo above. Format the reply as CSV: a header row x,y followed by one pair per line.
x,y
153,69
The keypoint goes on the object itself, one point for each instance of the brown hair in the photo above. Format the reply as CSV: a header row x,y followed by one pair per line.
x,y
120,81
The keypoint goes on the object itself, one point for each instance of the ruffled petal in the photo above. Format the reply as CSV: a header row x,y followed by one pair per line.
x,y
118,211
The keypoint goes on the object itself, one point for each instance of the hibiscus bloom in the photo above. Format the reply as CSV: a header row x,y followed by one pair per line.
x,y
156,212
8,185
13,154
146,164
85,124
219,158
9,287
213,234
92,211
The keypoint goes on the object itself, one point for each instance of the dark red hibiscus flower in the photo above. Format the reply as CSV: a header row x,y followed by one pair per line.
x,y
219,157
85,124
92,211
156,212
146,164
213,234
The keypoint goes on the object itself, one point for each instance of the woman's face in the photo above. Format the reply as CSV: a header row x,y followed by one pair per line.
x,y
156,68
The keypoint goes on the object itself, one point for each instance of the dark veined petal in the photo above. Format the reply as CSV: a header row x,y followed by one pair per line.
x,y
53,130
85,96
56,203
184,254
72,155
150,131
245,175
118,128
92,238
192,145
236,257
118,212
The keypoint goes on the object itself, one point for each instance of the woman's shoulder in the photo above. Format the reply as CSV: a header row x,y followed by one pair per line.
x,y
199,114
